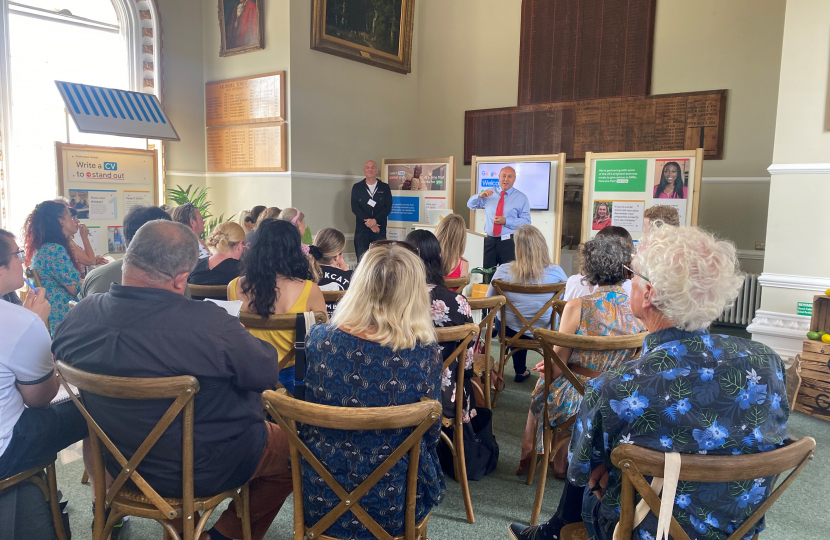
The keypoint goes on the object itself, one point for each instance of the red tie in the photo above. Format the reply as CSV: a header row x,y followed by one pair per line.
x,y
499,213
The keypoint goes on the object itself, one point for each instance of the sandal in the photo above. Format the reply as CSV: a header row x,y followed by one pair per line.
x,y
522,378
524,465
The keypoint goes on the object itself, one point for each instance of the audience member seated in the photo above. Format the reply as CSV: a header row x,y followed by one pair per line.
x,y
161,334
667,214
578,285
331,272
31,430
46,234
452,235
604,312
448,308
531,267
190,216
275,280
84,256
689,392
226,243
297,219
379,350
268,213
248,219
99,279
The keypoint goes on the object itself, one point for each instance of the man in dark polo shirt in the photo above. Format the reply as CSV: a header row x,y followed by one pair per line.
x,y
371,205
146,328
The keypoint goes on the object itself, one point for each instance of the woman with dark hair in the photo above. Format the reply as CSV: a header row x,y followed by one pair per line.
x,y
448,308
46,234
672,184
275,280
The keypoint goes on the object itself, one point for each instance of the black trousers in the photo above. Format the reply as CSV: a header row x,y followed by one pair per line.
x,y
363,239
496,251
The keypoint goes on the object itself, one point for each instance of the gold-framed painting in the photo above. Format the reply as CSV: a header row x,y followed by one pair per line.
x,y
241,26
375,32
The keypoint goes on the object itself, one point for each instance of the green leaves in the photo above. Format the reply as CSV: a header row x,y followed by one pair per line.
x,y
732,381
627,388
648,422
755,416
736,488
708,417
198,198
661,361
684,486
680,388
681,435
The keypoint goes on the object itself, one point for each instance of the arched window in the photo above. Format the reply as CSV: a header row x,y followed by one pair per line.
x,y
111,43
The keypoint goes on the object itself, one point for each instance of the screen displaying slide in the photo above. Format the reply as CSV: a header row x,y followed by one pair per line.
x,y
532,179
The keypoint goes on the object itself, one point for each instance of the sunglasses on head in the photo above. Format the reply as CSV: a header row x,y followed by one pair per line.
x,y
406,245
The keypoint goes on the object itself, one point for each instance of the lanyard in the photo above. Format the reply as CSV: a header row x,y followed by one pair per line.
x,y
372,194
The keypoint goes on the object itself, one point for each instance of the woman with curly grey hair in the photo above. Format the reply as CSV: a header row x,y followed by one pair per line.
x,y
605,312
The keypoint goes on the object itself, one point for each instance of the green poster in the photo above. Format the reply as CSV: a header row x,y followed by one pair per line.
x,y
621,175
805,308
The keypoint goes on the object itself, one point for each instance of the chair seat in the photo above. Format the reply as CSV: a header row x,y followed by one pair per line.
x,y
480,364
574,531
139,505
25,475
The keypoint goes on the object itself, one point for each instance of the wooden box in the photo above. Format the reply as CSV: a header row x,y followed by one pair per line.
x,y
820,321
814,395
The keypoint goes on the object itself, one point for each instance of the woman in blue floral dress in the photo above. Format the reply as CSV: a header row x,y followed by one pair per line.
x,y
46,234
379,350
605,312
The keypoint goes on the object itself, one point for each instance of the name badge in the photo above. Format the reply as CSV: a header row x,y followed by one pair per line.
x,y
371,203
505,237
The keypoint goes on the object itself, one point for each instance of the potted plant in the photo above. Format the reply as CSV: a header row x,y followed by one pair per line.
x,y
197,198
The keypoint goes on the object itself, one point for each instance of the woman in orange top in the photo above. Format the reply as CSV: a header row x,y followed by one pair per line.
x,y
274,281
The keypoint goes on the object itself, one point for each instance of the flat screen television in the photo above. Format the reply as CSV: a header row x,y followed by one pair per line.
x,y
532,179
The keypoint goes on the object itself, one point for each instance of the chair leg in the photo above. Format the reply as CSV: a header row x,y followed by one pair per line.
x,y
54,504
113,519
246,513
461,470
543,475
531,470
85,477
487,379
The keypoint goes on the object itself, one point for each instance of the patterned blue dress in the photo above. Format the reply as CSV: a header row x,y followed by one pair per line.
x,y
693,393
56,272
343,370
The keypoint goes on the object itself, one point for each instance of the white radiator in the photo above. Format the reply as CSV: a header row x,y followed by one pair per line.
x,y
749,300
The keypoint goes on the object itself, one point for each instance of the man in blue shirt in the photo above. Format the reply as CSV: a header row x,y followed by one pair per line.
x,y
506,210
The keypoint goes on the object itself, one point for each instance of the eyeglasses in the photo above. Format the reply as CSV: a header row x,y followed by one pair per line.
x,y
630,272
406,245
20,254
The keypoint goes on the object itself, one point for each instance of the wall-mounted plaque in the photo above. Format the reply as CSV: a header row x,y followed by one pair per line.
x,y
245,100
247,148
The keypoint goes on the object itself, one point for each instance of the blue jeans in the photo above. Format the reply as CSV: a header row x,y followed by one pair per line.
x,y
520,357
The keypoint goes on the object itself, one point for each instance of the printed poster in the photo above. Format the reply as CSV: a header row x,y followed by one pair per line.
x,y
680,205
435,203
94,203
671,178
115,239
396,233
629,215
420,177
136,198
620,175
405,209
95,239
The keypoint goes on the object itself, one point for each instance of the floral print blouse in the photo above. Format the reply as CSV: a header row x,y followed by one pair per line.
x,y
56,273
693,393
450,308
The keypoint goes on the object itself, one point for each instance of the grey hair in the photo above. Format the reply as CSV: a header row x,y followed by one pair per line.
x,y
601,260
162,249
694,275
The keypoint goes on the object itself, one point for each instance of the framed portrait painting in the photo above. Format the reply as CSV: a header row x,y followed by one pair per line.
x,y
375,32
241,26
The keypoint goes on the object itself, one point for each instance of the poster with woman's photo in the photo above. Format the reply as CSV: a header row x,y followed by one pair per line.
x,y
671,178
115,239
603,211
417,177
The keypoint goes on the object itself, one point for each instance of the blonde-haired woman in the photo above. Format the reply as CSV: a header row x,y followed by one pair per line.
x,y
531,267
330,272
225,243
297,219
379,350
452,235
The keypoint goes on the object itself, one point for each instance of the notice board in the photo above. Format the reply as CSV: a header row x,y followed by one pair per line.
x,y
103,184
421,187
245,120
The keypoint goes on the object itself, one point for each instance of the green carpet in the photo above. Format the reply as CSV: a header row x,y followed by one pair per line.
x,y
502,497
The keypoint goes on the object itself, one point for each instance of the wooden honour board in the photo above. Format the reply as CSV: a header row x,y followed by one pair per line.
x,y
668,122
247,148
245,100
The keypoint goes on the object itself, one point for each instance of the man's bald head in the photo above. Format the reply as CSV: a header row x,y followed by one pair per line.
x,y
370,170
507,177
162,250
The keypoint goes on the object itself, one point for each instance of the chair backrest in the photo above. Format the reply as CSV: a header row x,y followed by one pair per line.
x,y
635,462
333,296
181,389
494,304
551,338
554,290
457,283
219,292
287,412
463,333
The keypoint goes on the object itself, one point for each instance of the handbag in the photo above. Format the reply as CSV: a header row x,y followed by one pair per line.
x,y
481,451
304,321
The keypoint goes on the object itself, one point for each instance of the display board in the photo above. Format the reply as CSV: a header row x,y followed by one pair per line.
x,y
103,184
420,187
549,219
247,148
245,100
620,186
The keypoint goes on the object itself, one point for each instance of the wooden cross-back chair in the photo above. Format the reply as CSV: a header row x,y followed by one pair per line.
x,y
510,346
555,438
464,334
218,292
332,297
288,412
285,321
636,462
483,363
121,498
43,476
459,284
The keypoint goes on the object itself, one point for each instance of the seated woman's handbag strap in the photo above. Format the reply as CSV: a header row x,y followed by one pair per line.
x,y
304,322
